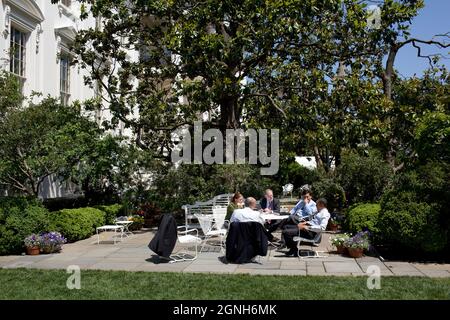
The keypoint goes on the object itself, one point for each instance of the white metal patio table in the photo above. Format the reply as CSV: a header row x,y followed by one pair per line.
x,y
125,224
114,228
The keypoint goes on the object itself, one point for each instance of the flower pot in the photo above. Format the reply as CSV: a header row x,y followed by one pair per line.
x,y
340,249
355,252
334,227
33,251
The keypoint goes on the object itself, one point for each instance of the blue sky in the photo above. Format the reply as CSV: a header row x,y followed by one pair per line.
x,y
431,20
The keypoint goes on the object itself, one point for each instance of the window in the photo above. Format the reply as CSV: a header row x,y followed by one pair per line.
x,y
18,54
64,78
67,3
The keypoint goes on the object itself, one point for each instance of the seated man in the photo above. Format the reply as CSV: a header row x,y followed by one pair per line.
x,y
302,210
268,203
248,213
305,228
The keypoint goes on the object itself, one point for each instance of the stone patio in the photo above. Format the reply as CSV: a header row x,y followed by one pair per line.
x,y
132,254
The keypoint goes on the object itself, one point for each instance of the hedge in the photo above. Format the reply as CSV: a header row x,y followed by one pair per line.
x,y
77,224
363,216
20,217
112,212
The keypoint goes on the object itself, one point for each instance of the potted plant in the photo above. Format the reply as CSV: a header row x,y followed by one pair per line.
x,y
335,224
52,242
138,222
357,244
32,244
339,242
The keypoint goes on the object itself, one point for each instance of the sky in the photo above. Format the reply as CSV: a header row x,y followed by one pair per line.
x,y
433,19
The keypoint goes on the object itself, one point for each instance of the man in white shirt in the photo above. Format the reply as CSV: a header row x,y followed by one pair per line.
x,y
306,229
247,214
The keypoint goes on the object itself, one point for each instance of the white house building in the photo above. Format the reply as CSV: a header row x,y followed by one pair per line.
x,y
35,36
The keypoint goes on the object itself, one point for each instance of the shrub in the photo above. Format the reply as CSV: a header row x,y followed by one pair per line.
x,y
362,217
19,219
77,224
364,178
413,228
112,212
415,212
330,190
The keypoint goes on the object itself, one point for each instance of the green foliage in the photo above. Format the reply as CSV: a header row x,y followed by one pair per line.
x,y
288,49
112,212
405,223
20,218
415,211
10,97
191,183
432,137
77,224
331,190
297,174
364,178
364,216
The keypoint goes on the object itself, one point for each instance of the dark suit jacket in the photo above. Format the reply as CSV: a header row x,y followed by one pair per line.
x,y
245,240
165,238
275,202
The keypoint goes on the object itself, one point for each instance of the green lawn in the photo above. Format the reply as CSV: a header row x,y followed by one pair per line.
x,y
51,284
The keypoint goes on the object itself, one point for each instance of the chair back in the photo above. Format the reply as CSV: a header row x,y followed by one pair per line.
x,y
205,221
219,216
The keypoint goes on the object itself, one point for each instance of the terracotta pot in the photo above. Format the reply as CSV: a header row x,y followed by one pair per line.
x,y
340,249
33,251
355,252
334,227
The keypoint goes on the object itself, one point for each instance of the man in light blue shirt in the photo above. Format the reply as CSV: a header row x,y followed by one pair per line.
x,y
305,207
302,210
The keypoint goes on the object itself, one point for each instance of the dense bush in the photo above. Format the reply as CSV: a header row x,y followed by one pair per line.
x,y
415,212
364,178
20,217
331,191
112,212
408,224
363,216
77,224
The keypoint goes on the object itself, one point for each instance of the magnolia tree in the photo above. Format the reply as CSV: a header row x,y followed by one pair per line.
x,y
310,68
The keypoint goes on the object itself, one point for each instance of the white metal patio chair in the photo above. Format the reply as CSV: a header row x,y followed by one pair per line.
x,y
220,225
314,242
287,189
208,225
188,239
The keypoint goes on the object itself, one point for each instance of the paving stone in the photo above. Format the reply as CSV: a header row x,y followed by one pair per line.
x,y
271,272
431,266
403,269
298,265
227,268
163,267
337,267
436,273
269,265
384,271
114,266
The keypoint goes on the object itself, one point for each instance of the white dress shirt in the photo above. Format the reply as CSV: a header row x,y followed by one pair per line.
x,y
320,219
246,215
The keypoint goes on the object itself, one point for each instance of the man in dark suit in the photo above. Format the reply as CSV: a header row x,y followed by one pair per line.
x,y
269,203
